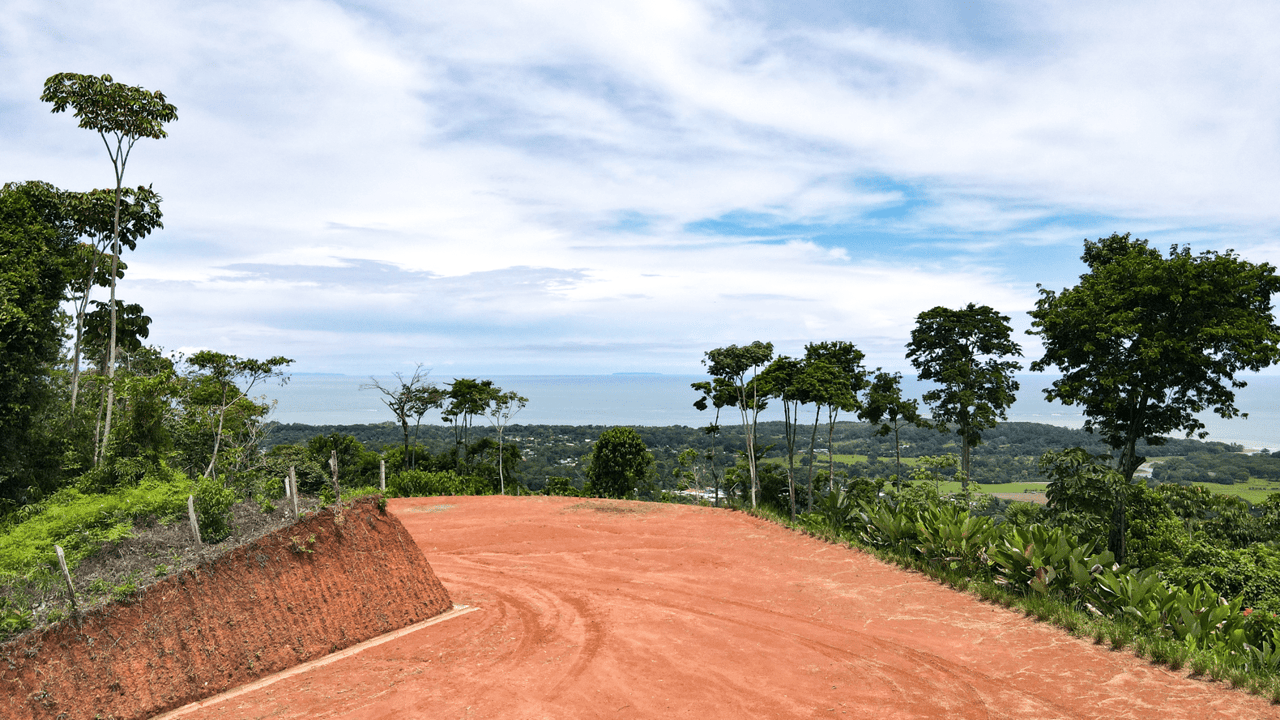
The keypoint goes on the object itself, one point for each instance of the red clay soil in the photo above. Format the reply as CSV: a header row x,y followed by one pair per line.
x,y
591,608
325,583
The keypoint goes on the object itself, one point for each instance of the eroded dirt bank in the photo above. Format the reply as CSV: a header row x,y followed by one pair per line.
x,y
321,585
600,609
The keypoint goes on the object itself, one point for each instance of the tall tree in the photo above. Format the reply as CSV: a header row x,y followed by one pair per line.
x,y
504,406
963,351
835,377
97,217
410,400
887,408
739,367
784,379
722,394
1144,341
227,372
467,398
120,114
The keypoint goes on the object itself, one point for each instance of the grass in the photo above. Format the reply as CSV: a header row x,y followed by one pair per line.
x,y
1253,490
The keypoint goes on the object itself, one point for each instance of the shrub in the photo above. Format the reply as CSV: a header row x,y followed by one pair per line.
x,y
560,486
213,509
81,523
418,483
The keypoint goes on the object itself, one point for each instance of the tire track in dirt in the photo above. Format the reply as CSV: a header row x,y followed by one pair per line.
x,y
669,611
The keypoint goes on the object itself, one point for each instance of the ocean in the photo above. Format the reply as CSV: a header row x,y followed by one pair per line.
x,y
657,400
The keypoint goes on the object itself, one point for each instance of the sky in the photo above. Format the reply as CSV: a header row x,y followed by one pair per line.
x,y
592,187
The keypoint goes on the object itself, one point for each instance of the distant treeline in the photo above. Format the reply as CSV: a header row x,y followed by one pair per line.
x,y
1008,454
1224,469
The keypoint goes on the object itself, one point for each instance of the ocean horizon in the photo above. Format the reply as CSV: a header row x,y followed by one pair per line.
x,y
643,399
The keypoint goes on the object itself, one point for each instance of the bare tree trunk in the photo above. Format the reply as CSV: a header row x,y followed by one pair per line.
x,y
832,414
502,485
217,437
813,440
111,348
333,465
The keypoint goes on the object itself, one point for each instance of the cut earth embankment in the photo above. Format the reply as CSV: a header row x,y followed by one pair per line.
x,y
330,581
603,609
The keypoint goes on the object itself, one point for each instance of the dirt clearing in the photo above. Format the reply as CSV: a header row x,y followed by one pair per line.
x,y
597,608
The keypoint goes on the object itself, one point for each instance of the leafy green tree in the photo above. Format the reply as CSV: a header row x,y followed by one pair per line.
x,y
739,367
887,408
409,401
35,249
721,393
97,217
120,114
356,466
467,398
833,379
784,379
963,351
225,373
502,408
1145,342
620,463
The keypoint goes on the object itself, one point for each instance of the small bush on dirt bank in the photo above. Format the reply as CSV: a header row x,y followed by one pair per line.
x,y
213,509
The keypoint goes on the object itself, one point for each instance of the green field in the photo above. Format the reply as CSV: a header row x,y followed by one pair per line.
x,y
1020,487
1255,491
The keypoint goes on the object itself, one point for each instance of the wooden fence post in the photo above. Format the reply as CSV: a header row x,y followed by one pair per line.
x,y
66,575
293,484
382,474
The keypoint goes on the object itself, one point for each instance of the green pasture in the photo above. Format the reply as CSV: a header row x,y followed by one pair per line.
x,y
951,486
1253,490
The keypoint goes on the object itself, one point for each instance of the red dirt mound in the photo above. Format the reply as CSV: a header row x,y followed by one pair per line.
x,y
328,582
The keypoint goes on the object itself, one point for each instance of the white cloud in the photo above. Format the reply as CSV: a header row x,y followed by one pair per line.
x,y
531,169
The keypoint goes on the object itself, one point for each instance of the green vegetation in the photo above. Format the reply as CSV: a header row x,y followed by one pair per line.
x,y
619,464
963,352
1145,342
1191,598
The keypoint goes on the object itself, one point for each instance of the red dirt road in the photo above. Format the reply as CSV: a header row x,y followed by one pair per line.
x,y
601,609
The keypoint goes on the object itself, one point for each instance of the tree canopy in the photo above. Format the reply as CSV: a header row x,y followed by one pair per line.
x,y
120,114
1145,341
620,463
739,367
963,351
35,250
887,408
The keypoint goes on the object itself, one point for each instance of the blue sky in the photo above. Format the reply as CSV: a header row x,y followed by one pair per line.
x,y
570,187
